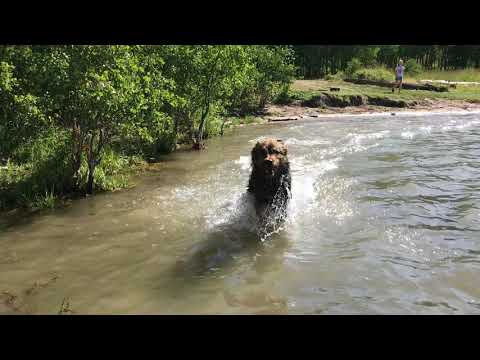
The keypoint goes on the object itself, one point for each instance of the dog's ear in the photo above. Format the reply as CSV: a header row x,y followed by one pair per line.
x,y
254,151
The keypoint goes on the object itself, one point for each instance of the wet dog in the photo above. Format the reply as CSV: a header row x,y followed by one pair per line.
x,y
270,181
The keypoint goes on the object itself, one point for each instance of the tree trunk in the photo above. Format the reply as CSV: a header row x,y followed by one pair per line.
x,y
77,138
91,165
198,145
199,139
94,158
263,102
91,172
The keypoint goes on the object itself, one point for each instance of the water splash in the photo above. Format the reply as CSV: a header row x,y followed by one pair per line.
x,y
307,143
407,135
244,162
237,214
358,139
275,215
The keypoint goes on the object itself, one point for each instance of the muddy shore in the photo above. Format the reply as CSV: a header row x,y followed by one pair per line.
x,y
296,111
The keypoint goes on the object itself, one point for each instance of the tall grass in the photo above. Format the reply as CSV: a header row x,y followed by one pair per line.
x,y
374,73
450,75
40,177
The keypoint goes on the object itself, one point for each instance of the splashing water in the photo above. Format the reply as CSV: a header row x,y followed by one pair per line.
x,y
275,215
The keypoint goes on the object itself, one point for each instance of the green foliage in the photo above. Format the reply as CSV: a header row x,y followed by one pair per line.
x,y
339,75
20,118
412,68
72,116
274,71
44,201
284,97
112,172
44,176
368,55
213,127
377,73
45,170
217,79
98,93
353,66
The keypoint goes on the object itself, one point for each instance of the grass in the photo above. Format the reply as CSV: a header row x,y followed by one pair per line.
x,y
451,75
22,187
45,201
304,89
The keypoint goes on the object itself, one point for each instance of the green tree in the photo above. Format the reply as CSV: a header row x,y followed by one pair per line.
x,y
266,71
98,93
21,120
204,79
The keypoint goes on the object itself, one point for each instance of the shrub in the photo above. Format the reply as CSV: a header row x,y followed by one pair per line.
x,y
352,66
368,55
378,74
44,173
339,75
413,68
284,96
111,173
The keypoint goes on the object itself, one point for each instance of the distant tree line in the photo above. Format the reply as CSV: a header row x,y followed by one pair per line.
x,y
315,61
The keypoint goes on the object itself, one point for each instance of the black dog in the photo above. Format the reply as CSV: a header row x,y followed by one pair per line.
x,y
270,182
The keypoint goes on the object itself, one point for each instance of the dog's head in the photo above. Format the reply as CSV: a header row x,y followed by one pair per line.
x,y
269,157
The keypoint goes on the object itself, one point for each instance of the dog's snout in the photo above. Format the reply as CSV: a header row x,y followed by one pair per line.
x,y
268,161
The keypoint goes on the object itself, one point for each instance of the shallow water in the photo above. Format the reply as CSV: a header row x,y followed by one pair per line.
x,y
384,219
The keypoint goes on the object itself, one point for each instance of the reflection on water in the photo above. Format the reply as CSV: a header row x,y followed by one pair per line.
x,y
384,218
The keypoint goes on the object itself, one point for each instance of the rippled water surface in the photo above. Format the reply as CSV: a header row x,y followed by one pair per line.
x,y
384,219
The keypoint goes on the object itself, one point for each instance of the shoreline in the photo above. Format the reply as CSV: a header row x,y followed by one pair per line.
x,y
434,107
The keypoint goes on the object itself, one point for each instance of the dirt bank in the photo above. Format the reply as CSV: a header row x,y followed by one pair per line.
x,y
298,111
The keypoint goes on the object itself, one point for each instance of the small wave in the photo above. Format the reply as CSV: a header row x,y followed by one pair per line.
x,y
466,125
454,126
301,165
353,148
334,199
360,142
360,138
297,127
185,193
410,134
260,138
308,143
407,135
244,162
237,212
426,130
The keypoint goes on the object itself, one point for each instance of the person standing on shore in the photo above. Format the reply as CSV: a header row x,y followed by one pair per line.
x,y
399,75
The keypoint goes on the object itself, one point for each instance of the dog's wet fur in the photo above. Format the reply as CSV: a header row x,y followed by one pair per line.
x,y
270,180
